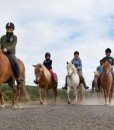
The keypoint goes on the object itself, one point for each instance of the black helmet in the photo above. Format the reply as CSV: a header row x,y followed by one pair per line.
x,y
108,50
76,52
47,54
11,25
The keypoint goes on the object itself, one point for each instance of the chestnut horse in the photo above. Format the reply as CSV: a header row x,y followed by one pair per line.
x,y
44,80
106,82
7,76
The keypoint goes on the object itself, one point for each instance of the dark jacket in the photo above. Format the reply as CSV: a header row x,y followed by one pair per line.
x,y
107,58
48,64
9,43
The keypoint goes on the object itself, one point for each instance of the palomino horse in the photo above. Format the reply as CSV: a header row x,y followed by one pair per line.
x,y
73,82
7,76
106,82
95,81
45,80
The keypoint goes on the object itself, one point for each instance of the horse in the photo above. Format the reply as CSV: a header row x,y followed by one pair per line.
x,y
95,81
45,80
7,76
106,82
73,82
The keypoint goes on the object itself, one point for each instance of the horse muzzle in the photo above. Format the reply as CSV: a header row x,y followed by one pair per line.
x,y
36,82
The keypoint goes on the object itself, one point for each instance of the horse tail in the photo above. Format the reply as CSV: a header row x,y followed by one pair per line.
x,y
23,92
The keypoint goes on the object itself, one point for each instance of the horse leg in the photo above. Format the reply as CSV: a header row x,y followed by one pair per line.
x,y
1,98
40,94
75,93
93,86
15,92
105,95
68,95
111,93
17,96
46,96
57,98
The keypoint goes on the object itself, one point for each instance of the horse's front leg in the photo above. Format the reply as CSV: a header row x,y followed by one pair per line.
x,y
40,94
75,94
68,94
46,96
1,98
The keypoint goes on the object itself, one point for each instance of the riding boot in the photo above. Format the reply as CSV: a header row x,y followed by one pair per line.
x,y
83,81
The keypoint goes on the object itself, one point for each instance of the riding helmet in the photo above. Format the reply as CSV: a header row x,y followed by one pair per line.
x,y
10,25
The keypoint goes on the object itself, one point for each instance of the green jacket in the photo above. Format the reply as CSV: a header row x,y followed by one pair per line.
x,y
107,58
11,46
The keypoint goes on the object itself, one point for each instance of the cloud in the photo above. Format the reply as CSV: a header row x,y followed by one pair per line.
x,y
60,27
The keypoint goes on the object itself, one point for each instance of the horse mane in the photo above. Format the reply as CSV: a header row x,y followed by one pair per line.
x,y
45,70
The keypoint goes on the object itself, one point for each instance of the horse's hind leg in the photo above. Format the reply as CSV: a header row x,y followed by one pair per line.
x,y
1,98
57,98
15,92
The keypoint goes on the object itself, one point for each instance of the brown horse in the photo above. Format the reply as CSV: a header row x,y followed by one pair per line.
x,y
7,76
106,82
44,80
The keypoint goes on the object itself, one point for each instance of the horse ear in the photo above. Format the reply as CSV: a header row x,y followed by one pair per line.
x,y
34,66
67,62
40,66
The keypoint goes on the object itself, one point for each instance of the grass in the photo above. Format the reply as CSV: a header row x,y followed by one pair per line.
x,y
32,90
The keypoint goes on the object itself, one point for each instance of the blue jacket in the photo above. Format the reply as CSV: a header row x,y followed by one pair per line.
x,y
77,63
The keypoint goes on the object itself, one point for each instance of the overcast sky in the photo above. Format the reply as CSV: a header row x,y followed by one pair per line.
x,y
60,27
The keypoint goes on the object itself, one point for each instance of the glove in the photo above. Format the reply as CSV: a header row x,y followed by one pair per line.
x,y
5,49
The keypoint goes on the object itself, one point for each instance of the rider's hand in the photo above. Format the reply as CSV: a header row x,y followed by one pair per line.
x,y
5,50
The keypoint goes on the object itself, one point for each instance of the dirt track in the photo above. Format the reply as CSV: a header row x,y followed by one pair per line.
x,y
33,116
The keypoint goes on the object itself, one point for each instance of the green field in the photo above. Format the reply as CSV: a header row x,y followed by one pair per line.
x,y
32,90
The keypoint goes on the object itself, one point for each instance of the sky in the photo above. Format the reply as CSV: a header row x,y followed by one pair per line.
x,y
60,27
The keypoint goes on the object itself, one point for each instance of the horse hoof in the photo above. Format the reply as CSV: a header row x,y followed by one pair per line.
x,y
58,100
2,106
41,102
15,107
68,102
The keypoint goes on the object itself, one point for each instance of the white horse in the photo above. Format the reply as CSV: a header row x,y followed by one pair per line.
x,y
73,82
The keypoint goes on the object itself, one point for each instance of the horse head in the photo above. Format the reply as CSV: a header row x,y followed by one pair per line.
x,y
107,68
71,69
96,76
39,72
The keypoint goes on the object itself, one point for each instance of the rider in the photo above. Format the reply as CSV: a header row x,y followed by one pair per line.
x,y
8,45
99,68
48,64
78,64
110,60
